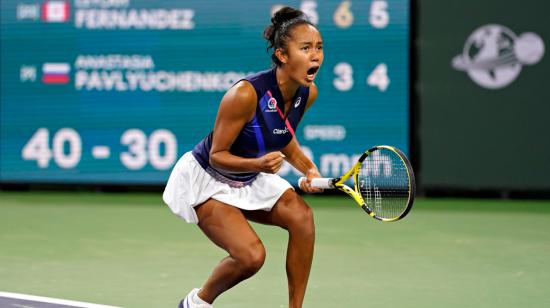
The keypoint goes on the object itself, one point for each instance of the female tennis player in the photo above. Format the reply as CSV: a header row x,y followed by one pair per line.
x,y
230,176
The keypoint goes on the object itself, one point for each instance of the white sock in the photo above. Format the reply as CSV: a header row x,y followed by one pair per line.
x,y
197,300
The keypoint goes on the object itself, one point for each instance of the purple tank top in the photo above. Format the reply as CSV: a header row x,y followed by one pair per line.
x,y
268,131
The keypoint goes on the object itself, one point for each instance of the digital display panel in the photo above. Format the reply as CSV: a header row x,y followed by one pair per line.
x,y
115,91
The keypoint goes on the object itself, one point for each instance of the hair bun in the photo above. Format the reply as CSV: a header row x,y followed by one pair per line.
x,y
285,14
277,33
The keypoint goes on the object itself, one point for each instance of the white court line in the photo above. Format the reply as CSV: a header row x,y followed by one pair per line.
x,y
53,300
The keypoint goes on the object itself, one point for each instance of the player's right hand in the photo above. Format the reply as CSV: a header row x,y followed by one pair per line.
x,y
271,162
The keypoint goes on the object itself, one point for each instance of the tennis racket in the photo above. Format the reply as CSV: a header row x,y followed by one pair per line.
x,y
384,185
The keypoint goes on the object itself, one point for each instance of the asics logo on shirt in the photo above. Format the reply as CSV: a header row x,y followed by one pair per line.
x,y
297,103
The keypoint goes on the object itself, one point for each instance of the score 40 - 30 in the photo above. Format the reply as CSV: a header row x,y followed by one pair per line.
x,y
159,149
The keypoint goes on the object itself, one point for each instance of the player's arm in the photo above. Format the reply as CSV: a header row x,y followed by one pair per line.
x,y
236,109
296,157
293,152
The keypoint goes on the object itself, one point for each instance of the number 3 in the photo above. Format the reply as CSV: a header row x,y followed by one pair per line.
x,y
344,71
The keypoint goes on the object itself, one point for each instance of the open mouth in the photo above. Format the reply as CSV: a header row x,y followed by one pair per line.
x,y
311,73
312,70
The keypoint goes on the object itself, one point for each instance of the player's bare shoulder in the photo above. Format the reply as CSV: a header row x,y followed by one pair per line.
x,y
240,99
244,90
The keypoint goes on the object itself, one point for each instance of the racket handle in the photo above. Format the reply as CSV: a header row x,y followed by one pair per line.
x,y
325,183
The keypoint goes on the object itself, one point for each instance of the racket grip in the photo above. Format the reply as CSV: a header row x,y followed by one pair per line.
x,y
325,183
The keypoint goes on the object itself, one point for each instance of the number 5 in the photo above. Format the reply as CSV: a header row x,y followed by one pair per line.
x,y
308,7
379,16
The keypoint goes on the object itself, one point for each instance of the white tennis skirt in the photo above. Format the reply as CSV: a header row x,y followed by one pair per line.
x,y
190,185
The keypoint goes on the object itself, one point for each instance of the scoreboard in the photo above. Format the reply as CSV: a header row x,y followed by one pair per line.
x,y
115,91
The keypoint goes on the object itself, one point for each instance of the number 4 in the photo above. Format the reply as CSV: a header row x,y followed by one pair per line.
x,y
38,149
379,77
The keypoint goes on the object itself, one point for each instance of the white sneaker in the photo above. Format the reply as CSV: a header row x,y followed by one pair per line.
x,y
189,302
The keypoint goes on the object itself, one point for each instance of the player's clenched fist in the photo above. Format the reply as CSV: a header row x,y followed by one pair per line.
x,y
271,162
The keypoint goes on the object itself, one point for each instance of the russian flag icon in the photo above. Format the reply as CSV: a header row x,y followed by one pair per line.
x,y
55,11
55,73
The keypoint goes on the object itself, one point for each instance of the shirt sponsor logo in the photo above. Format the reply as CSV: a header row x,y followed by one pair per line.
x,y
271,105
298,101
278,131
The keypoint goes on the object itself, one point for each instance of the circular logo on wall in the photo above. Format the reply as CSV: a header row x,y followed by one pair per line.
x,y
493,55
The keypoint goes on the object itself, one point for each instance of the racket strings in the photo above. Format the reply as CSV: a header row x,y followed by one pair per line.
x,y
384,184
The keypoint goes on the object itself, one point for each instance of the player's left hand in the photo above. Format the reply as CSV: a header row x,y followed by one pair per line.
x,y
306,185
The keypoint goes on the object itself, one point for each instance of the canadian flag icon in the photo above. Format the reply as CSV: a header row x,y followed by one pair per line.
x,y
55,11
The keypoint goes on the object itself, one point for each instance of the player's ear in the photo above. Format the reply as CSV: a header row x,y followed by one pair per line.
x,y
281,55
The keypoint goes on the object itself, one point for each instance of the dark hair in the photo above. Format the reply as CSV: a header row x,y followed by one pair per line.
x,y
278,33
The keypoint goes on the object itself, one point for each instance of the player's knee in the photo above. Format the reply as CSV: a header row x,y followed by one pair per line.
x,y
251,259
308,224
302,221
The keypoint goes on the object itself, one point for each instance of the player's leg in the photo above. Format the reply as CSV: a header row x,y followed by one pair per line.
x,y
293,214
227,227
